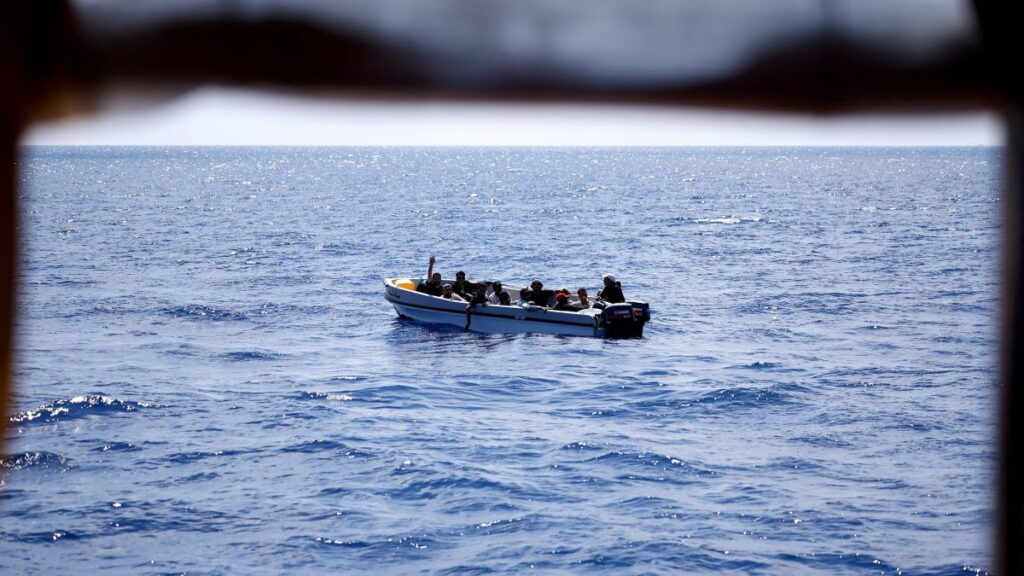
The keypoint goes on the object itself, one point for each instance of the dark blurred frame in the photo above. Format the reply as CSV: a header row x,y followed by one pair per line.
x,y
50,70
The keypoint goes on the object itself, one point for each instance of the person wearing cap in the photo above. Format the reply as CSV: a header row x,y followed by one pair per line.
x,y
461,287
448,294
612,292
562,302
498,293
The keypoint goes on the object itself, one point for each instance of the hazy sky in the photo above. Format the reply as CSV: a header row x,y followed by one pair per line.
x,y
214,116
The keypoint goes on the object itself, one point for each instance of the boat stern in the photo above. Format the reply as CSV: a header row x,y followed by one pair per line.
x,y
625,320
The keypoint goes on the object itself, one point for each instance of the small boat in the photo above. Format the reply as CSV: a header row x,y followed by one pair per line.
x,y
625,320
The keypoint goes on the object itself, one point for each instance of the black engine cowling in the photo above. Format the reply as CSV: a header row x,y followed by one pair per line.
x,y
625,320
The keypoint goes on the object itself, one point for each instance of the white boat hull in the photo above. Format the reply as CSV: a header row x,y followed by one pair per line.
x,y
491,318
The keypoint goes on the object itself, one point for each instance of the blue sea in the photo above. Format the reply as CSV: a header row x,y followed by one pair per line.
x,y
211,382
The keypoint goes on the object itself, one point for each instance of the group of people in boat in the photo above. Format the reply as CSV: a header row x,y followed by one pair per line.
x,y
474,294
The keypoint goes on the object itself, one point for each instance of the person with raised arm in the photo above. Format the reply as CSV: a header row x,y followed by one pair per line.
x,y
432,284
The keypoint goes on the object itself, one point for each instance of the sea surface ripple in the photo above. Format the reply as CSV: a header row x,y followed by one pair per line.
x,y
210,381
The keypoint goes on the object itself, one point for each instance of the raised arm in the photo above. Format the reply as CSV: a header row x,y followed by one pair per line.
x,y
430,269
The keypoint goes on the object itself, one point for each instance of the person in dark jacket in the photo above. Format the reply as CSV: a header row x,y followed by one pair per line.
x,y
612,292
432,285
538,295
479,298
463,288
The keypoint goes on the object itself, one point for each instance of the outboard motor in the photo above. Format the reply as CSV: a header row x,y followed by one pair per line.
x,y
625,320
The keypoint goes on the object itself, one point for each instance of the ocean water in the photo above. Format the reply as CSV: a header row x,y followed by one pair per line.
x,y
210,381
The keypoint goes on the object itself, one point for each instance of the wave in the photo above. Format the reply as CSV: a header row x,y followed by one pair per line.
x,y
34,460
210,312
727,219
398,393
190,457
343,248
642,458
505,525
907,422
394,547
403,394
469,570
273,309
204,312
117,447
111,306
862,562
823,441
582,447
315,446
758,365
331,396
247,356
664,402
834,303
77,407
624,557
450,485
793,463
633,466
46,537
740,397
99,520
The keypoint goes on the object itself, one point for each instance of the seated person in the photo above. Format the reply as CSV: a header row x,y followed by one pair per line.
x,y
584,302
448,294
504,299
538,295
432,285
461,287
562,303
479,298
612,292
562,291
496,293
524,296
